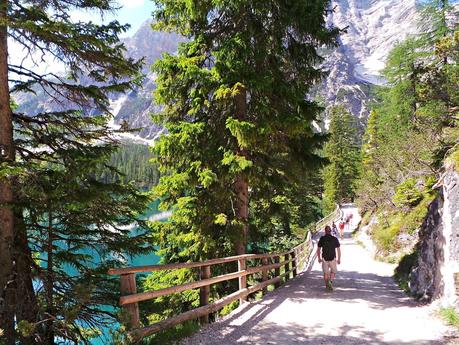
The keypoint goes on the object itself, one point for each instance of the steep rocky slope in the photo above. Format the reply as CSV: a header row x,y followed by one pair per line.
x,y
373,27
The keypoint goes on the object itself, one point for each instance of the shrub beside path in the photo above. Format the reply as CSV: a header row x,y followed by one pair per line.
x,y
367,307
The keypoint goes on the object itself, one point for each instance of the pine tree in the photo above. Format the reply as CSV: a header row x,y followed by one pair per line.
x,y
78,227
132,164
438,20
415,117
238,122
40,145
369,184
342,151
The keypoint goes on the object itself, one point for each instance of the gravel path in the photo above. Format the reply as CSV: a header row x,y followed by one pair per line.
x,y
366,307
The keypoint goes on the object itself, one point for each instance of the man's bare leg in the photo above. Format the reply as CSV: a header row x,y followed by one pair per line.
x,y
332,278
326,279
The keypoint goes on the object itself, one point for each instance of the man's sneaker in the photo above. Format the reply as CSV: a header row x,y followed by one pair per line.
x,y
330,285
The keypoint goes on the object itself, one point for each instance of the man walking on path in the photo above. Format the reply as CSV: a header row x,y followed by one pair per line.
x,y
329,254
341,228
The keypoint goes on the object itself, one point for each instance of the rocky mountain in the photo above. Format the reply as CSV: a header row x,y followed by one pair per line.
x,y
373,27
137,106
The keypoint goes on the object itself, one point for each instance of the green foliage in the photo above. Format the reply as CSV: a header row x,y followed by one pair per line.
x,y
77,225
454,159
228,308
234,105
282,243
385,235
69,226
411,130
391,224
366,218
342,151
25,328
450,316
166,306
131,163
417,215
407,194
172,335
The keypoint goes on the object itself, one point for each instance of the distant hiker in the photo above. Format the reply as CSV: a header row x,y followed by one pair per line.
x,y
334,230
341,228
348,220
329,254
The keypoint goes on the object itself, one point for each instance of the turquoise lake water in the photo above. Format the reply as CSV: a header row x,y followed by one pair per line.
x,y
142,260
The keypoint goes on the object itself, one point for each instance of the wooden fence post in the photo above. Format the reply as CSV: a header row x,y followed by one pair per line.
x,y
294,257
242,266
204,293
277,271
304,256
287,267
301,258
128,287
264,262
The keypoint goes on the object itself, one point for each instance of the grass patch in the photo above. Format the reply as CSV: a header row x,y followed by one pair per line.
x,y
454,159
415,217
385,234
366,218
450,316
172,335
389,226
228,308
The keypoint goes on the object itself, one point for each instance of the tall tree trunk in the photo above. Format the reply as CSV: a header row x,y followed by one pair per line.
x,y
49,283
413,89
286,222
26,307
241,185
7,154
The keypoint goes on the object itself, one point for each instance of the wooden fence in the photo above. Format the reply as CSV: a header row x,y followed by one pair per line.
x,y
292,262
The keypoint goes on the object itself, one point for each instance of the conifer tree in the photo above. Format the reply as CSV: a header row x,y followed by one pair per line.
x,y
416,115
236,113
342,151
438,19
369,180
94,67
77,228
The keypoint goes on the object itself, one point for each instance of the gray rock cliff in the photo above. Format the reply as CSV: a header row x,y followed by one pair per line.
x,y
438,262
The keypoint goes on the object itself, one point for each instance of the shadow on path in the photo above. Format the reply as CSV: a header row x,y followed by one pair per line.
x,y
297,313
378,292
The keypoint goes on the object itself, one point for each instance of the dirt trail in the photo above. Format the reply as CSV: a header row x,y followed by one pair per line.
x,y
366,307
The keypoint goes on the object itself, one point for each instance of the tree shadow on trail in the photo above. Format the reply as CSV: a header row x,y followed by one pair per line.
x,y
294,333
378,292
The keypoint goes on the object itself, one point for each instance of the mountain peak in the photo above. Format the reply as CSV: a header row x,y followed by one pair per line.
x,y
373,29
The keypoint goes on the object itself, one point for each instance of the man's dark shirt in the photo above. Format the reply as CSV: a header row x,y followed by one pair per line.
x,y
328,243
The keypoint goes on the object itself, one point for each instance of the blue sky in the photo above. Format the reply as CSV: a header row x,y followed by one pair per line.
x,y
133,12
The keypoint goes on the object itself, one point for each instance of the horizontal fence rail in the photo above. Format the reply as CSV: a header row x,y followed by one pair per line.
x,y
335,215
293,261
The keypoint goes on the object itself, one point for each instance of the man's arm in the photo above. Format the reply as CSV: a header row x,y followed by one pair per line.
x,y
338,254
318,255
